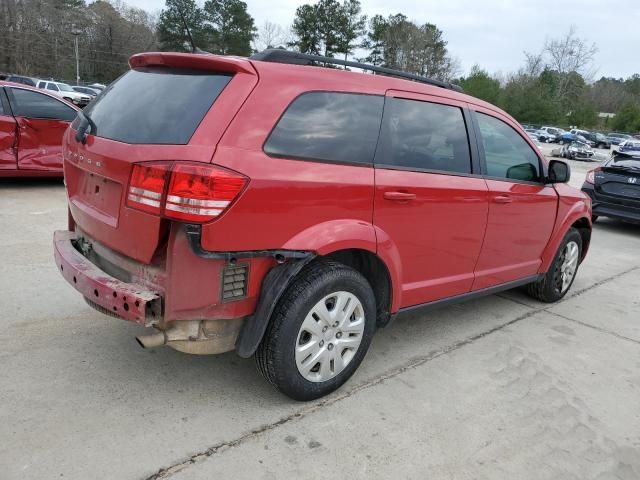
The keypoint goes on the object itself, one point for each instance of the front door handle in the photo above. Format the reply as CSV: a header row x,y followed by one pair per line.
x,y
399,196
502,199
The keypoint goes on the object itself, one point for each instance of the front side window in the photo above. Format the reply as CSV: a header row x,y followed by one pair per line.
x,y
328,126
30,104
420,135
52,86
507,154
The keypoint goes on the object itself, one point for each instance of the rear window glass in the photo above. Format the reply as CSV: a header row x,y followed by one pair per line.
x,y
419,135
328,126
155,105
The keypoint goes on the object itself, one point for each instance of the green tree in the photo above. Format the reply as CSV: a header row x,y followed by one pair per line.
x,y
628,119
231,28
351,27
480,84
172,31
305,28
374,40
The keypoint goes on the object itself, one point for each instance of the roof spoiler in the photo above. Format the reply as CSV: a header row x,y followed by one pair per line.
x,y
200,61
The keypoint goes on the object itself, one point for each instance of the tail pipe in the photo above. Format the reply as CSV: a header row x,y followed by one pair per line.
x,y
156,339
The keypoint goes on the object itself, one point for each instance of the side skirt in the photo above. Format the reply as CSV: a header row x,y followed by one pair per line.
x,y
445,302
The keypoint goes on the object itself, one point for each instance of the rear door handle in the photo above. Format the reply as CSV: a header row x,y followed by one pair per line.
x,y
399,196
502,199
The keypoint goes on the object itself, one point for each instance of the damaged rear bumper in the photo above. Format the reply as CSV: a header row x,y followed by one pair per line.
x,y
126,300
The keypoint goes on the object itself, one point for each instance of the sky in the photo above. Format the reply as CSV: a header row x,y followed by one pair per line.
x,y
495,33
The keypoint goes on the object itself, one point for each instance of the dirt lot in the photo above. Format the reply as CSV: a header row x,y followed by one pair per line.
x,y
499,388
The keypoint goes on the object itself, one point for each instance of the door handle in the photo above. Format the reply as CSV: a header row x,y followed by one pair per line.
x,y
399,196
502,199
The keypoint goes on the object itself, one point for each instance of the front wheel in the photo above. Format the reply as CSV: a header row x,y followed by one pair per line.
x,y
558,280
319,332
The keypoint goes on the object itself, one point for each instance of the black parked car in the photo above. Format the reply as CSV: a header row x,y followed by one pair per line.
x,y
614,187
21,79
598,139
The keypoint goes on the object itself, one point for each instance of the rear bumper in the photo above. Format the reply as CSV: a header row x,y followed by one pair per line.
x,y
603,208
128,301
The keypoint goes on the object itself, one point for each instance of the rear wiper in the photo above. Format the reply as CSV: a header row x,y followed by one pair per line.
x,y
85,122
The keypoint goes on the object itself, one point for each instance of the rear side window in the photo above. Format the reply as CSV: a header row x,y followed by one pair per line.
x,y
506,153
155,105
328,126
30,104
419,135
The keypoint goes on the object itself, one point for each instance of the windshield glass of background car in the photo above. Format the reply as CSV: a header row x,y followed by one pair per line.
x,y
507,154
65,88
328,126
419,135
155,105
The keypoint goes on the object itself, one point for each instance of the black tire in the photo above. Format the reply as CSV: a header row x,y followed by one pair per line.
x,y
546,289
275,357
561,142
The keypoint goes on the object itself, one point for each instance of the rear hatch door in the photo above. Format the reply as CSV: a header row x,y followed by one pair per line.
x,y
619,181
169,107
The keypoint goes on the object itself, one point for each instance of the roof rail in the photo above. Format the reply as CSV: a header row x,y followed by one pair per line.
x,y
277,55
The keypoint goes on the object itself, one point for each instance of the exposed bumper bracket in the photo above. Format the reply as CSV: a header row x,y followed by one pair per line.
x,y
194,234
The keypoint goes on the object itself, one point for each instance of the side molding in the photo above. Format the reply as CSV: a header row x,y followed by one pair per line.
x,y
274,284
427,307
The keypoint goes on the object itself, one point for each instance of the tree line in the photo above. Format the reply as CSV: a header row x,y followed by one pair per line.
x,y
554,86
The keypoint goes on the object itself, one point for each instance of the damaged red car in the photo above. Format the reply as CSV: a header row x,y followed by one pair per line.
x,y
287,211
32,124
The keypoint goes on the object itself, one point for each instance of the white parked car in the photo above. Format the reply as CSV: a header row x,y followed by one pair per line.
x,y
65,91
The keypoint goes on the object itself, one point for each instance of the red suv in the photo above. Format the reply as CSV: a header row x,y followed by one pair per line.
x,y
286,211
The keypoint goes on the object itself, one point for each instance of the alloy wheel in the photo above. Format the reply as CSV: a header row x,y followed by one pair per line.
x,y
568,266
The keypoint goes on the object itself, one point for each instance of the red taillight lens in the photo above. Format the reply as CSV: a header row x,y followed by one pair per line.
x,y
146,187
591,176
195,193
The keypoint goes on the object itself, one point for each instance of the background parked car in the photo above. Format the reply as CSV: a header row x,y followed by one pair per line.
x,y
554,132
567,137
93,93
618,138
65,91
598,139
630,146
21,79
614,187
98,86
32,123
577,151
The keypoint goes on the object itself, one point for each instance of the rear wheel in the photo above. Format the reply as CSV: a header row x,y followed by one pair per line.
x,y
319,332
558,280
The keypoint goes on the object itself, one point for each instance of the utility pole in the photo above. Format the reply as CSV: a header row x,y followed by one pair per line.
x,y
76,33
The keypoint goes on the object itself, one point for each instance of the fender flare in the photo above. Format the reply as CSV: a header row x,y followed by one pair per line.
x,y
576,212
321,239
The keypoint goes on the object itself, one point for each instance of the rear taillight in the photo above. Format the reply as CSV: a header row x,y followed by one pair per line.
x,y
591,176
146,186
183,191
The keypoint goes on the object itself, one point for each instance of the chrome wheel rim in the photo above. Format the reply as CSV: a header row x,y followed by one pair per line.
x,y
568,266
329,336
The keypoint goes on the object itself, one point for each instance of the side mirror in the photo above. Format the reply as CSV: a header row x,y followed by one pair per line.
x,y
559,172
